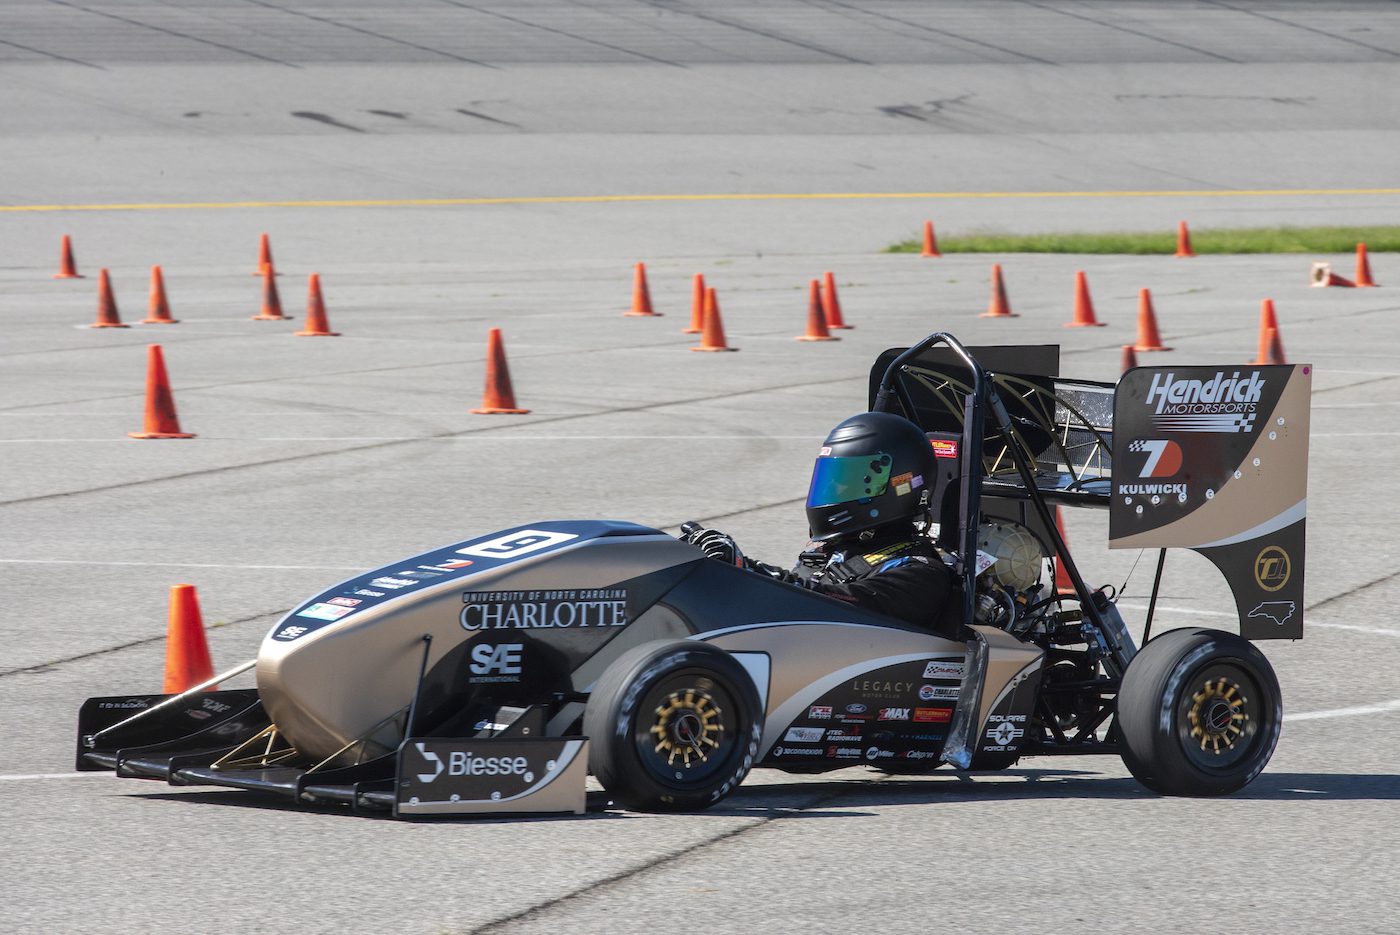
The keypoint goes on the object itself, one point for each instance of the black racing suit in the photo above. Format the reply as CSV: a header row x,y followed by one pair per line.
x,y
901,575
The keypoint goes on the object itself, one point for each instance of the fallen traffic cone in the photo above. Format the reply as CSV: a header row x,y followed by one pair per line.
x,y
107,316
1063,584
187,661
930,242
271,303
500,397
1270,336
1129,359
316,325
161,420
1183,241
641,295
816,318
67,269
998,307
158,312
1083,305
697,306
712,338
1363,267
831,305
264,257
1322,275
1148,339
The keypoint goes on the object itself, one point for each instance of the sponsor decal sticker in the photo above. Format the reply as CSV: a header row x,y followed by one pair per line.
x,y
943,448
902,484
325,612
918,755
496,663
797,751
856,708
943,670
880,688
894,714
1004,733
466,763
926,693
1163,456
392,584
843,753
804,735
290,632
368,593
875,753
583,608
1224,403
345,601
933,715
1272,568
819,712
843,735
515,544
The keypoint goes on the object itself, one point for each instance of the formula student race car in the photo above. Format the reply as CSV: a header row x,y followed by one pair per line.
x,y
494,674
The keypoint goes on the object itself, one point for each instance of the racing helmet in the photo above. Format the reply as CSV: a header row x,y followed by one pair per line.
x,y
872,471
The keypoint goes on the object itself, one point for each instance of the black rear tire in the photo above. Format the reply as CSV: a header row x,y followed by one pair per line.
x,y
673,726
1199,713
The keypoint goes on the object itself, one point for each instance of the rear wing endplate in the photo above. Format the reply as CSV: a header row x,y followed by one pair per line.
x,y
1215,459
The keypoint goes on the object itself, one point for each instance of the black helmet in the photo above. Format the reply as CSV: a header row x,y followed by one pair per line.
x,y
873,469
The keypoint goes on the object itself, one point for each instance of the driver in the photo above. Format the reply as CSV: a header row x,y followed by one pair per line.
x,y
868,499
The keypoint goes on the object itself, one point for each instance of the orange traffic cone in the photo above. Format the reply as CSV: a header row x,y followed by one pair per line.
x,y
158,312
697,306
1274,348
1148,338
1083,305
500,397
67,269
1323,276
107,316
712,338
316,324
1270,336
161,420
930,242
187,661
1363,267
641,295
1063,584
1183,241
264,257
1129,359
271,303
831,305
998,307
816,318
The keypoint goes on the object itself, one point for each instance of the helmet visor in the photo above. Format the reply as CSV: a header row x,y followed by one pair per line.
x,y
845,480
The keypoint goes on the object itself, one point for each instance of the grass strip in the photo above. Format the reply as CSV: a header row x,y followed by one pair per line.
x,y
1378,239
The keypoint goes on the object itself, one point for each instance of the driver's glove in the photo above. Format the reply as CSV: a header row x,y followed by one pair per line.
x,y
713,543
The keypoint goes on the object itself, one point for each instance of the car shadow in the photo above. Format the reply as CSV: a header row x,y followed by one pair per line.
x,y
851,797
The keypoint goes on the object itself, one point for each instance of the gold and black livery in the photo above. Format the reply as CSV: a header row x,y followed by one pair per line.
x,y
493,675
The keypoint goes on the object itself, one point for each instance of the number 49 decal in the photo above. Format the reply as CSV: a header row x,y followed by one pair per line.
x,y
517,543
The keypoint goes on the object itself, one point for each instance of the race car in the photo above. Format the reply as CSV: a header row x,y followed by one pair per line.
x,y
495,674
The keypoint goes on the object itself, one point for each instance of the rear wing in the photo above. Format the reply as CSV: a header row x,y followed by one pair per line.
x,y
1215,459
1210,458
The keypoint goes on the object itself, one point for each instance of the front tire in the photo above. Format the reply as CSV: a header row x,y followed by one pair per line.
x,y
1199,713
673,725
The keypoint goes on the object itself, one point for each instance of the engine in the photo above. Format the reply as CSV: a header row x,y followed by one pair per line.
x,y
1012,561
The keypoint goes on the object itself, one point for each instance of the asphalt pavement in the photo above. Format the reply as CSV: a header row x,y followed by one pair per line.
x,y
451,167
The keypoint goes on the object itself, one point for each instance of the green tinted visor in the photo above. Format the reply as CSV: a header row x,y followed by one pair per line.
x,y
845,480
